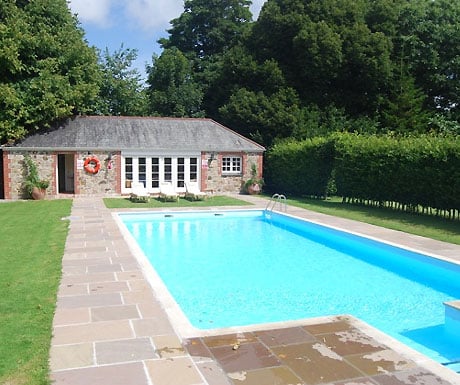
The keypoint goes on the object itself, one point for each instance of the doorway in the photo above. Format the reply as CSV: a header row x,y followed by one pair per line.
x,y
66,179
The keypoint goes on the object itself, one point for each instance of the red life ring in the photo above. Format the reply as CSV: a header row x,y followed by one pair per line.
x,y
92,165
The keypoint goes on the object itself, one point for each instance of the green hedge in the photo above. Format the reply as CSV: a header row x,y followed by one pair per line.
x,y
415,173
300,168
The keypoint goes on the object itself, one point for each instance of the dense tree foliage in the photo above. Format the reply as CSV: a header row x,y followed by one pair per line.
x,y
355,65
172,90
305,68
47,71
203,33
327,51
428,44
364,57
121,91
208,27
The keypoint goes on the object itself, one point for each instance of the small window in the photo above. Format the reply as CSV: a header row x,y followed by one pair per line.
x,y
231,165
128,172
180,172
168,170
155,172
142,171
193,169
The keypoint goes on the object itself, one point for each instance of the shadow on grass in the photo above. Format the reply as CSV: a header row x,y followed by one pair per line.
x,y
118,203
420,224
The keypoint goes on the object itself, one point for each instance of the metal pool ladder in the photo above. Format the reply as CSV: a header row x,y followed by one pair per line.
x,y
277,199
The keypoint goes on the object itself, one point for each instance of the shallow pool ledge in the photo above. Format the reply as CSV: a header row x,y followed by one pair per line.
x,y
452,317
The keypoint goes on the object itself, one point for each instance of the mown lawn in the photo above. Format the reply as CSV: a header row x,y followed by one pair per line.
x,y
118,203
429,226
32,240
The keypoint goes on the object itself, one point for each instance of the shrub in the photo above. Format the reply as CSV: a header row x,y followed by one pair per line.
x,y
300,168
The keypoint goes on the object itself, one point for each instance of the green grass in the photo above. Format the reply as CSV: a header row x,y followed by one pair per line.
x,y
424,225
119,203
31,249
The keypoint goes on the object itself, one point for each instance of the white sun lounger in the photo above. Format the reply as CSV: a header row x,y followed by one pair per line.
x,y
167,192
139,193
192,192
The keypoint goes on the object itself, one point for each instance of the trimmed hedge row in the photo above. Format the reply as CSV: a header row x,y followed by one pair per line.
x,y
422,171
408,173
300,168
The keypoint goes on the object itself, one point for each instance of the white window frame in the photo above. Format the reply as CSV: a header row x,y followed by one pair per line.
x,y
235,169
174,169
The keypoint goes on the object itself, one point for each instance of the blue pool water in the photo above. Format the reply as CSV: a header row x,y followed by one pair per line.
x,y
246,267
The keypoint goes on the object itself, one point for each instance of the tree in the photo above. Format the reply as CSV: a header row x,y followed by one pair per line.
x,y
326,51
121,90
382,64
405,113
237,69
47,70
204,32
264,118
208,27
427,43
172,90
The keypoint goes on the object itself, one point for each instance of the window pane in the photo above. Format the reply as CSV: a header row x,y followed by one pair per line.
x,y
128,168
142,170
193,169
180,172
231,165
236,164
167,169
226,164
155,172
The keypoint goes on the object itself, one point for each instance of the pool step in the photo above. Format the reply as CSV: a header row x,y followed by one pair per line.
x,y
453,365
452,317
452,327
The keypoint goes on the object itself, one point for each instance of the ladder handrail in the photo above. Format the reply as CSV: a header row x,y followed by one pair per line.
x,y
277,198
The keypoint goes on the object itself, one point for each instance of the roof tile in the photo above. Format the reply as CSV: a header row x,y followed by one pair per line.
x,y
152,133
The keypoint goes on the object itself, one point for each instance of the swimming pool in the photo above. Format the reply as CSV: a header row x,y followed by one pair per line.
x,y
235,268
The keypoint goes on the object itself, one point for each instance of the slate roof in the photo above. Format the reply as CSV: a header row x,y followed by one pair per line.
x,y
137,133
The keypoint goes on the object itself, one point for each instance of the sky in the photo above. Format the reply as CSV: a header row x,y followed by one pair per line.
x,y
137,24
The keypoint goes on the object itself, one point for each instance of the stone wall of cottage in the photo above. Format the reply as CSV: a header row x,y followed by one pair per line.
x,y
215,181
16,171
105,182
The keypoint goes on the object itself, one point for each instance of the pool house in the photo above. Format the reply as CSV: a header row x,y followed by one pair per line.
x,y
104,156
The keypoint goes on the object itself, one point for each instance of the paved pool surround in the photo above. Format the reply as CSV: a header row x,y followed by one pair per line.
x,y
111,327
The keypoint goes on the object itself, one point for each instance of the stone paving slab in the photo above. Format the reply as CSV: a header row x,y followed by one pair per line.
x,y
334,353
122,374
110,328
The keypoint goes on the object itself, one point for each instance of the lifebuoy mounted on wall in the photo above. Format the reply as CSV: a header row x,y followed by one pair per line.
x,y
92,165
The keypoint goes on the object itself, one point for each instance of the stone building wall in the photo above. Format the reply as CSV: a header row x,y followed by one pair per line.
x,y
215,181
105,182
15,172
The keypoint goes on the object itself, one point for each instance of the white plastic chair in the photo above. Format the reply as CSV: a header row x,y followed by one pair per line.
x,y
192,191
139,193
167,192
